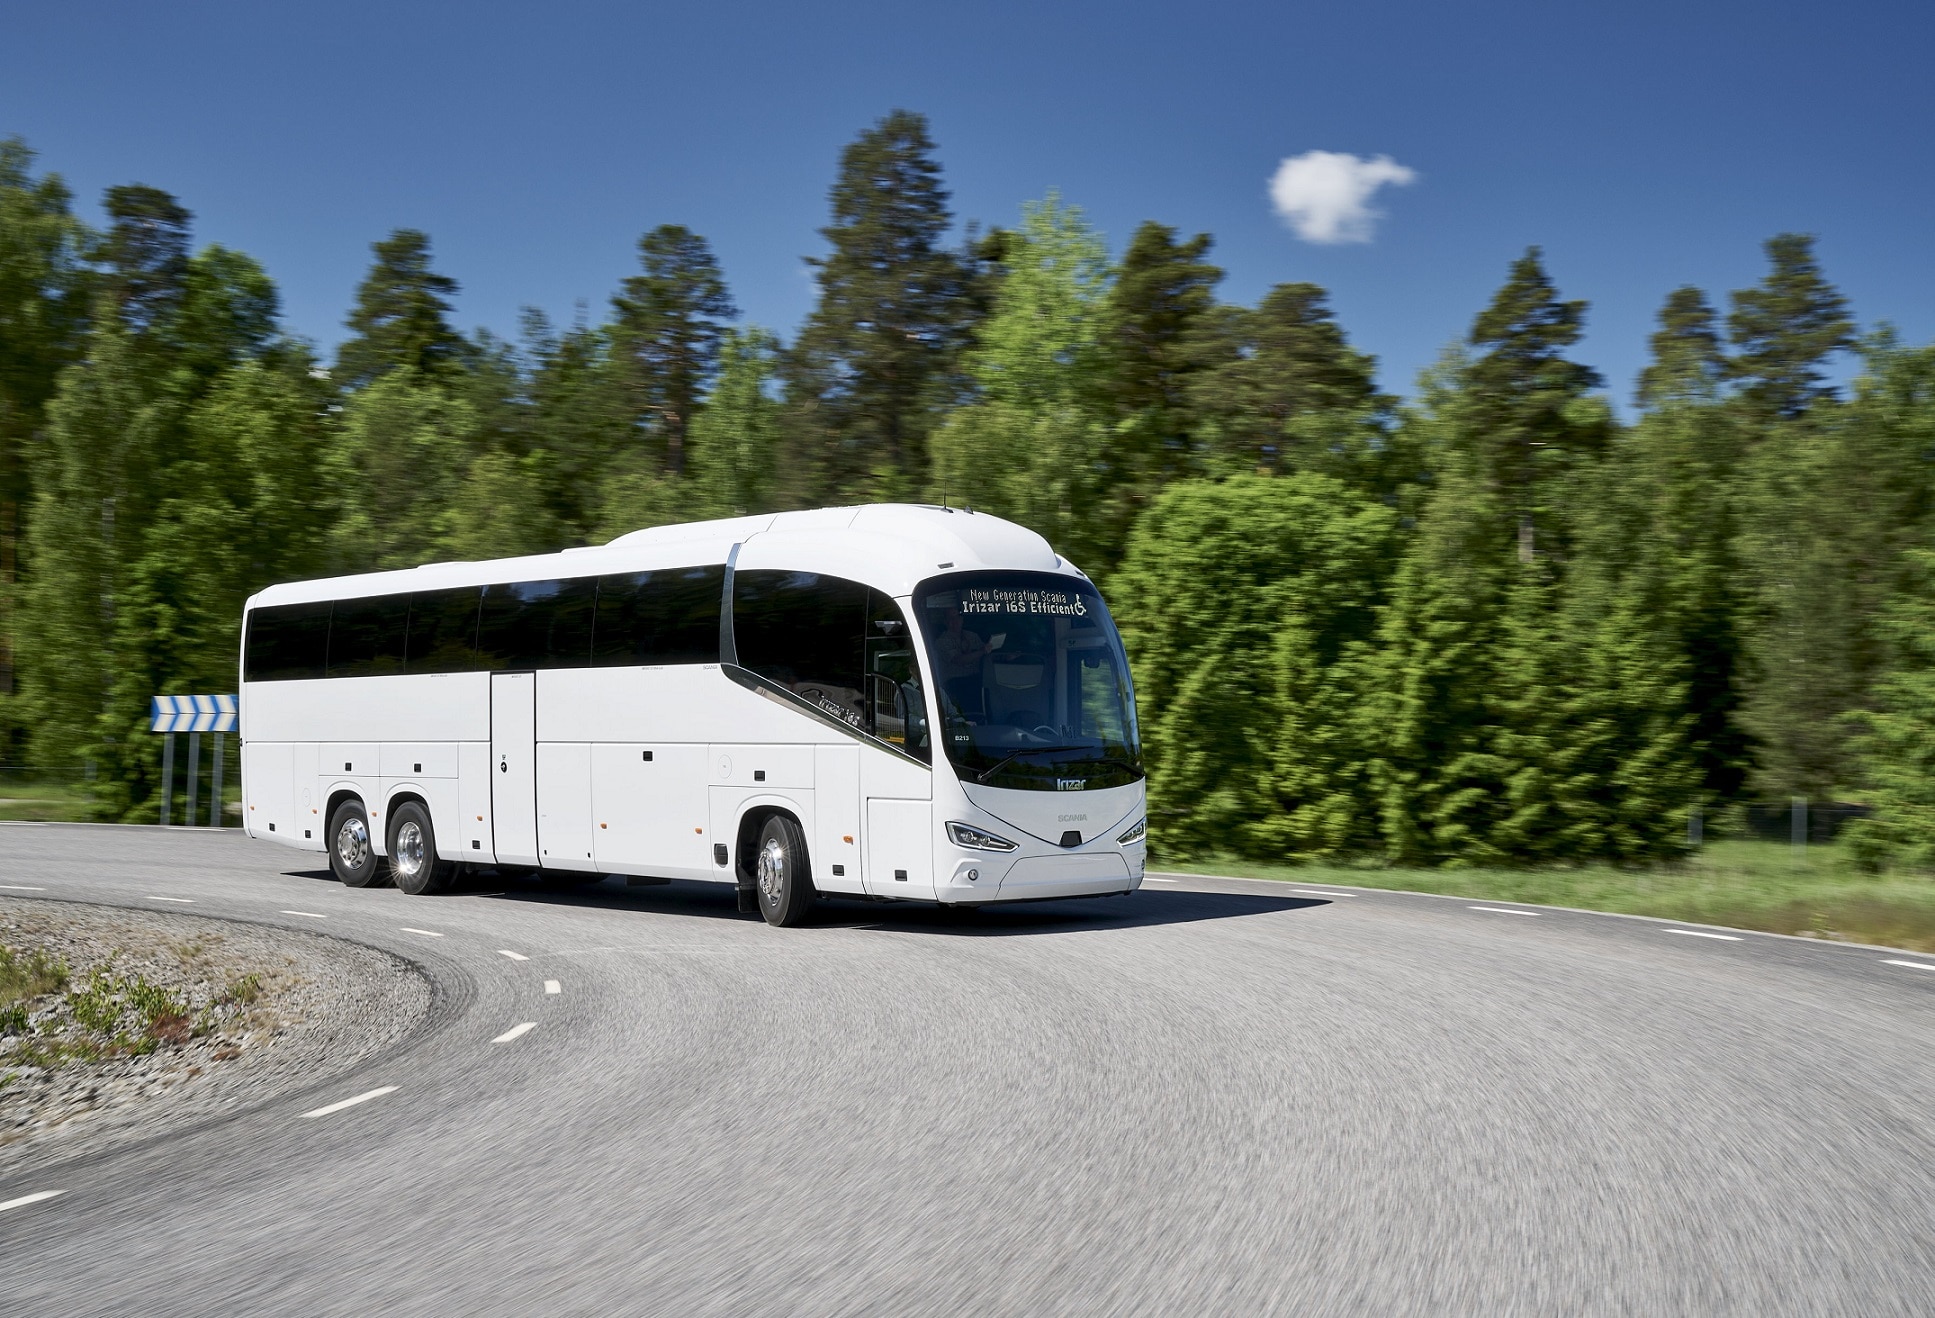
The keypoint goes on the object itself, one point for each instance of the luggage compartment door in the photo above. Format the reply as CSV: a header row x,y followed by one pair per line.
x,y
513,767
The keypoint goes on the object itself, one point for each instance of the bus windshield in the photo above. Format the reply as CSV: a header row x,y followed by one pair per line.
x,y
1034,686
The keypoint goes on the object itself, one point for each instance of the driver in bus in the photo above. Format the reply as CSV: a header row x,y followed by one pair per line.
x,y
959,652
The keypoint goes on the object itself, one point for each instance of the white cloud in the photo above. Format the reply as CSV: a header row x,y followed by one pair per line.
x,y
1325,195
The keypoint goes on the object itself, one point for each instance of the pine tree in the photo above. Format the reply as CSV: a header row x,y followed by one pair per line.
x,y
1521,397
578,422
401,317
1784,329
737,439
1688,365
1029,447
1245,606
227,314
1287,363
668,321
1672,511
1896,743
145,252
1834,500
96,483
403,452
1162,334
43,291
1438,779
244,509
875,359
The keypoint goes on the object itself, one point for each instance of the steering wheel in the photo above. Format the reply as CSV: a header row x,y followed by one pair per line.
x,y
1045,732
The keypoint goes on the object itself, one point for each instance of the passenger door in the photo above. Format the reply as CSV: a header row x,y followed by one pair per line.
x,y
513,755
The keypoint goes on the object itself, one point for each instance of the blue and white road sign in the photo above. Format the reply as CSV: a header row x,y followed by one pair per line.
x,y
193,714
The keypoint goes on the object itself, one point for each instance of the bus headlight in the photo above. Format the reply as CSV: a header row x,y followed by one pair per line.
x,y
1135,834
965,835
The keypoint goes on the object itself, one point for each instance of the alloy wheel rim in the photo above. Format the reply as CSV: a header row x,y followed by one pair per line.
x,y
772,870
353,843
408,855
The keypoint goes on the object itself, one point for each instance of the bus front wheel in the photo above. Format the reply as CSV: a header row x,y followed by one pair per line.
x,y
781,879
350,854
413,852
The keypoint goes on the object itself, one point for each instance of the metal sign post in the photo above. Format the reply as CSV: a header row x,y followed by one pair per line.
x,y
167,776
193,715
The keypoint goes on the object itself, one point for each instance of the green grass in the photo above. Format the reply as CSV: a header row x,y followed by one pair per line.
x,y
52,801
1745,885
43,800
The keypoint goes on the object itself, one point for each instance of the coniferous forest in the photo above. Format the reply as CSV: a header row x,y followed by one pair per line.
x,y
1490,624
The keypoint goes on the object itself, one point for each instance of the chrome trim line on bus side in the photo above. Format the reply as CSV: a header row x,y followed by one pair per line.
x,y
728,648
780,695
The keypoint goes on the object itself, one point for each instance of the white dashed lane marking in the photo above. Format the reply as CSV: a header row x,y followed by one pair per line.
x,y
515,1032
26,1199
1912,965
351,1102
552,986
185,901
22,887
515,956
1152,879
1701,933
1319,892
1500,910
311,914
427,933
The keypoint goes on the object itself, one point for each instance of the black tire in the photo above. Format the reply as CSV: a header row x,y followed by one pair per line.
x,y
782,878
414,865
352,856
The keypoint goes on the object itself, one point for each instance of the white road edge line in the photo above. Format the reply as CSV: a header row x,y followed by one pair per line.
x,y
1319,892
427,933
26,1199
351,1102
311,914
1912,965
515,956
515,1032
1701,933
1153,879
552,986
185,901
1500,910
22,887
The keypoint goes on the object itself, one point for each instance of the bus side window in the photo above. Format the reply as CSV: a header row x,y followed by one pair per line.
x,y
670,616
804,631
443,631
896,704
537,624
366,636
287,642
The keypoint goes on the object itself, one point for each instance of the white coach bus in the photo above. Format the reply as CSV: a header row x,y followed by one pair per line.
x,y
885,701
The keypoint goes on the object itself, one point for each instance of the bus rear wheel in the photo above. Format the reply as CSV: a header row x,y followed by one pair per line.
x,y
351,857
413,852
781,879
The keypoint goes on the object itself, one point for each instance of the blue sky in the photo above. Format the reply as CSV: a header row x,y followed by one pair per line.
x,y
1644,145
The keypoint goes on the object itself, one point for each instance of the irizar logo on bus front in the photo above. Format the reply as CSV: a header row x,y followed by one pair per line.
x,y
1070,784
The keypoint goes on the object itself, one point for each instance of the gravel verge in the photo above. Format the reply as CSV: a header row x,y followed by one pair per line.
x,y
167,1019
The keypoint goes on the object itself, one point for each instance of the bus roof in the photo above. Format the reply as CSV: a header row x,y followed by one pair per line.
x,y
890,546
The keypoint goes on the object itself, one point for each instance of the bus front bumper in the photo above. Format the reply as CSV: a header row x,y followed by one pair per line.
x,y
997,878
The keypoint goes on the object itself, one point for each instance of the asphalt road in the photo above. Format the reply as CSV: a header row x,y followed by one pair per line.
x,y
1214,1096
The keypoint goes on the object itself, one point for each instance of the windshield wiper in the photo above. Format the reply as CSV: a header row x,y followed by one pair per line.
x,y
983,777
1122,760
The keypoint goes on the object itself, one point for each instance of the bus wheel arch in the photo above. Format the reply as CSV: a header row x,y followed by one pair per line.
x,y
351,848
